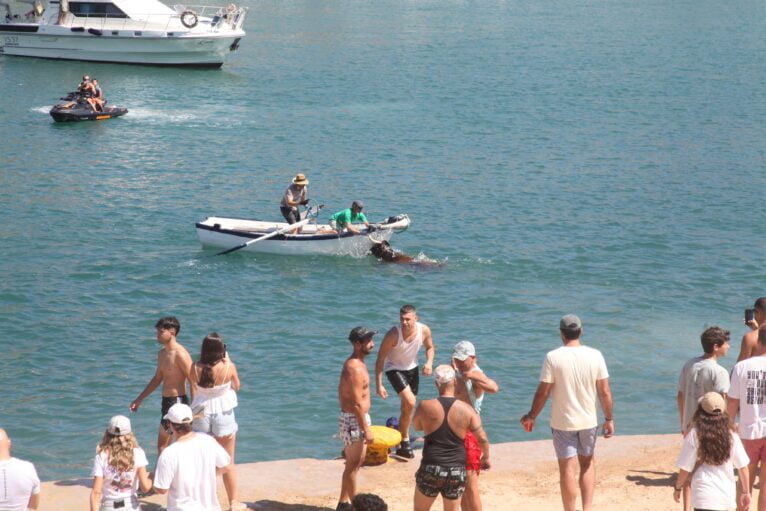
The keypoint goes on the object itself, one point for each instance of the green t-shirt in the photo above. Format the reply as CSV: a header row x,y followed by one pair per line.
x,y
343,218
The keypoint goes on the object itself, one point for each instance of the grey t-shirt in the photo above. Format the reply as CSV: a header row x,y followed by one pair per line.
x,y
294,194
699,376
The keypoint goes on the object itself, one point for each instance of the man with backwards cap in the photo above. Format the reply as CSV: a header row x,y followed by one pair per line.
x,y
187,468
344,219
445,422
294,196
471,384
576,375
21,486
354,422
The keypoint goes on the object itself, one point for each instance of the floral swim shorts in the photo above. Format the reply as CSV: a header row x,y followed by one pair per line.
x,y
350,431
432,480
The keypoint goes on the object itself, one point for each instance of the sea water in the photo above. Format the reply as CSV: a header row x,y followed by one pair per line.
x,y
603,158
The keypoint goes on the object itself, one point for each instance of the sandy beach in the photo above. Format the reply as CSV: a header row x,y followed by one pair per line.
x,y
633,473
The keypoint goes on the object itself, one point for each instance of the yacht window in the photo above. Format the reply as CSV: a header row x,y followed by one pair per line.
x,y
96,10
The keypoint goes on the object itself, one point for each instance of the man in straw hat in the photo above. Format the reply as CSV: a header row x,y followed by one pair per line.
x,y
295,195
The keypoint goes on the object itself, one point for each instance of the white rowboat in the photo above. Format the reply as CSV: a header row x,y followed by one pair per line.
x,y
226,233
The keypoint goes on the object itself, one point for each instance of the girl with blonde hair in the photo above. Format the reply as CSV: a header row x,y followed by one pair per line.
x,y
710,453
118,469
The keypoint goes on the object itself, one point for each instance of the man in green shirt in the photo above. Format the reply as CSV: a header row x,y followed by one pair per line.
x,y
343,219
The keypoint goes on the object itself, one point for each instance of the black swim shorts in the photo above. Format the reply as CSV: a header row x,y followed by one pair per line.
x,y
432,480
401,379
167,402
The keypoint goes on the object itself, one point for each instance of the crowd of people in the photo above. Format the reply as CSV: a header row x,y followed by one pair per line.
x,y
197,436
456,447
709,401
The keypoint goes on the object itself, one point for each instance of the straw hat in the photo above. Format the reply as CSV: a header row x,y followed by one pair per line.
x,y
300,179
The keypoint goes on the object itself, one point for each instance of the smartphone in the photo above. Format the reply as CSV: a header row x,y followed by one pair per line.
x,y
749,315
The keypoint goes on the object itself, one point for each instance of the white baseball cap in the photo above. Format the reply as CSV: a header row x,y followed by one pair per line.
x,y
179,413
463,350
118,425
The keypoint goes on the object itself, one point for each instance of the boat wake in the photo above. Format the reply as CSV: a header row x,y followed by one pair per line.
x,y
162,116
41,109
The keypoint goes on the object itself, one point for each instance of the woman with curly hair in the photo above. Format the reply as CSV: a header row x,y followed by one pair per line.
x,y
710,453
216,382
118,469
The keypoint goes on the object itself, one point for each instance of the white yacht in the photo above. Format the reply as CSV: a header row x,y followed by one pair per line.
x,y
124,31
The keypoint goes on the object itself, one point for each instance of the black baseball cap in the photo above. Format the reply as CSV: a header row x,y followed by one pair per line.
x,y
360,333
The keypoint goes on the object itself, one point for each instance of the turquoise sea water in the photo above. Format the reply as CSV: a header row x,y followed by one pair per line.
x,y
598,157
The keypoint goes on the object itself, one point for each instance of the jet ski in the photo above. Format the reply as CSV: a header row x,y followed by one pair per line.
x,y
74,107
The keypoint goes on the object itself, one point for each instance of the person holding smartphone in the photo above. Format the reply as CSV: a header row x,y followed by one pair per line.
x,y
753,319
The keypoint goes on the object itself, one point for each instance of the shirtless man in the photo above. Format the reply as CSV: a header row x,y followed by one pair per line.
x,y
471,384
354,422
173,369
398,357
445,422
750,346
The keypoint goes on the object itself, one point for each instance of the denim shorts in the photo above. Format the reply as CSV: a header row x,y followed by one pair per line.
x,y
569,444
216,424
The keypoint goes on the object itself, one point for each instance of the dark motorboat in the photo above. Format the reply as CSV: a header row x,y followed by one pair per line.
x,y
74,107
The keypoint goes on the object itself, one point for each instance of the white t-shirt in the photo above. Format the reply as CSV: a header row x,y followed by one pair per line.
x,y
699,376
748,384
187,470
19,482
118,485
713,487
573,371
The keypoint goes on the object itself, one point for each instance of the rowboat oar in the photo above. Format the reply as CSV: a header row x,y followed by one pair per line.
x,y
283,230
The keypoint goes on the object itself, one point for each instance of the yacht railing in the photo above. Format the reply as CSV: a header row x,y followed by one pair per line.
x,y
209,19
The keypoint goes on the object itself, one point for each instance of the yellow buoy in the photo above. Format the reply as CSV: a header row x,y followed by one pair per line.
x,y
384,439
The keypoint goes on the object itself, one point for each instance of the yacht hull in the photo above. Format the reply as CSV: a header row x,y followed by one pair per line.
x,y
146,48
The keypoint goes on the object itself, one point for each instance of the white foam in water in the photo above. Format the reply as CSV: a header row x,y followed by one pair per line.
x,y
422,258
42,109
161,116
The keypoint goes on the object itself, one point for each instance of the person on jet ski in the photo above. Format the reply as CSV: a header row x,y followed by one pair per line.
x,y
84,91
97,100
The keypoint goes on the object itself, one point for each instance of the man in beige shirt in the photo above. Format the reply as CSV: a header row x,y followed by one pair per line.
x,y
576,375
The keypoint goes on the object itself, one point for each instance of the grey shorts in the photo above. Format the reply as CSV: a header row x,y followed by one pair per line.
x,y
569,444
216,424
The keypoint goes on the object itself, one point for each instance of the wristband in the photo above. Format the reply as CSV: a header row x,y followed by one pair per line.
x,y
608,420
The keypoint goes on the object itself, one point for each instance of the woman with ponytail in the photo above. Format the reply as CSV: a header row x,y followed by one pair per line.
x,y
710,453
118,469
216,383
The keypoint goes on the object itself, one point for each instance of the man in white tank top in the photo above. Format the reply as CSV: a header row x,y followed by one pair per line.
x,y
398,358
